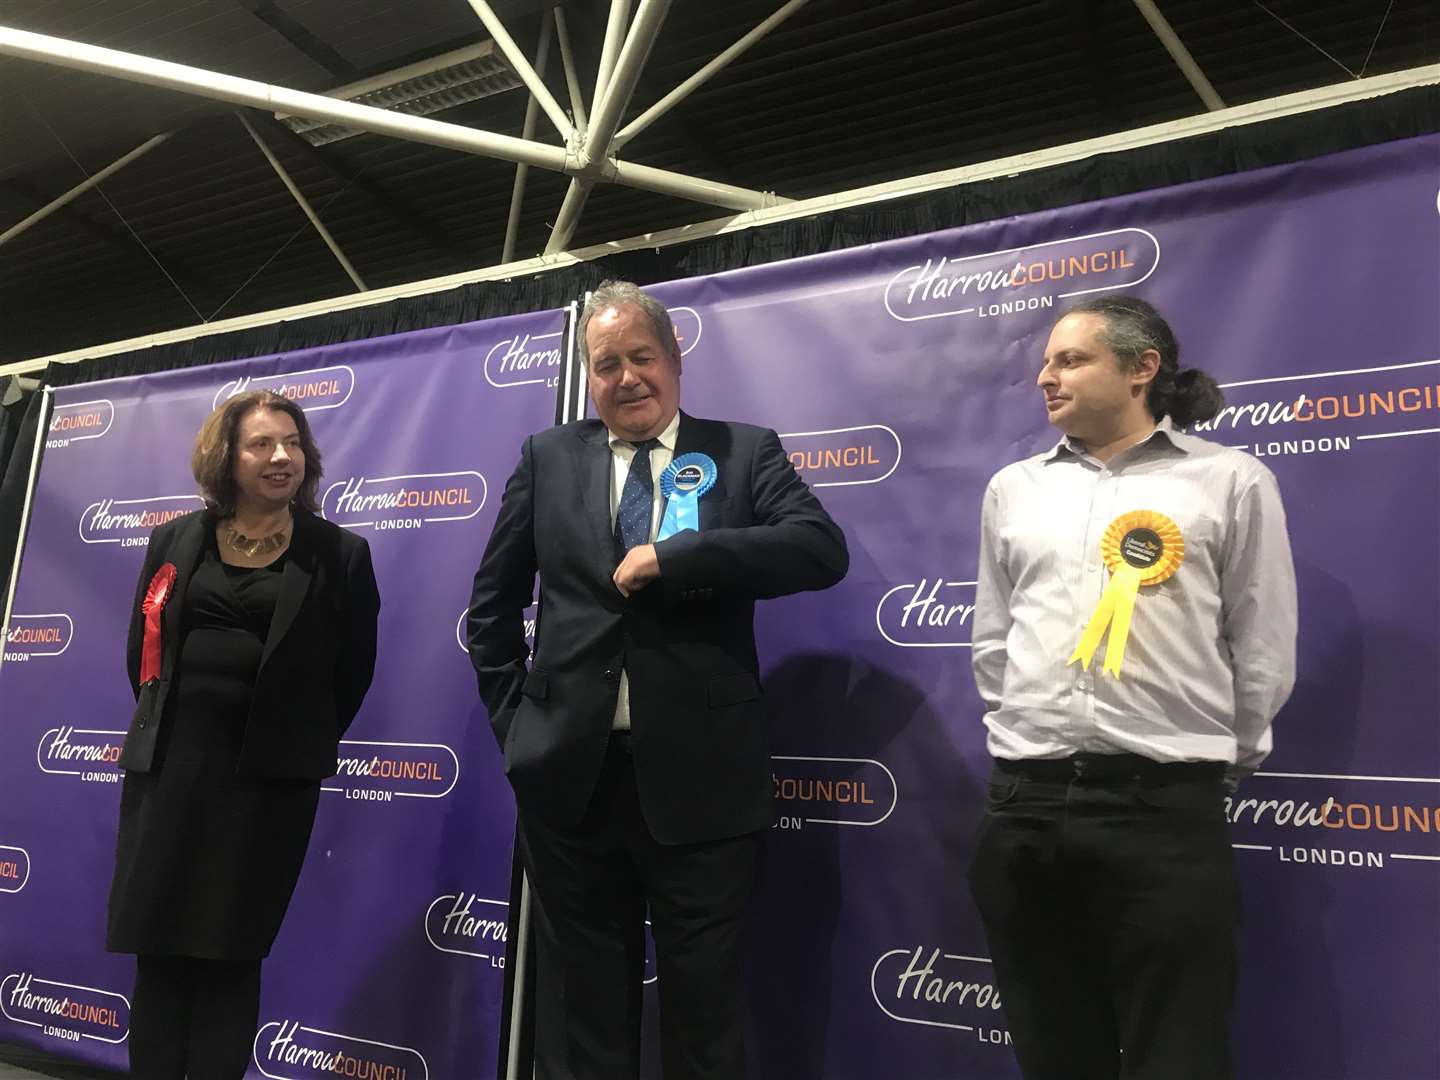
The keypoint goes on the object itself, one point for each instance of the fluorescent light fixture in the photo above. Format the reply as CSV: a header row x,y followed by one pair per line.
x,y
419,89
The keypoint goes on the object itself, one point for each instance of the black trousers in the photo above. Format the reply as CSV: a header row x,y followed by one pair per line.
x,y
1106,884
594,884
193,1018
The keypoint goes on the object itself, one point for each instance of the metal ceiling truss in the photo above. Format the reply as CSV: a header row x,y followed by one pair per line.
x,y
1325,97
590,139
577,158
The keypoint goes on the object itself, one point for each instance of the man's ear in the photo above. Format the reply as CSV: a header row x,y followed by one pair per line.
x,y
1145,370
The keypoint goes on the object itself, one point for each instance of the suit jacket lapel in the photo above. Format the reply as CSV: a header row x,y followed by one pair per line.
x,y
594,474
294,586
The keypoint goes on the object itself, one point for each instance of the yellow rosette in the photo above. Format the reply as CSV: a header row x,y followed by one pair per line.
x,y
1140,548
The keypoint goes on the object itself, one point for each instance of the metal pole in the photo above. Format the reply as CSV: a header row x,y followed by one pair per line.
x,y
608,110
304,205
522,171
567,57
41,430
517,987
84,186
694,82
569,217
632,174
523,69
621,84
210,84
1181,55
614,37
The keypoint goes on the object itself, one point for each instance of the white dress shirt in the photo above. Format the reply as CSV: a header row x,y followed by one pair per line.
x,y
621,454
1211,653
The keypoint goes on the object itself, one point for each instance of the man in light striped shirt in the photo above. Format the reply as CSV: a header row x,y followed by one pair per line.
x,y
1103,869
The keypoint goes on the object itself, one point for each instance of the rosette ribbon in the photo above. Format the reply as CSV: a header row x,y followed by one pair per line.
x,y
683,484
1140,548
156,594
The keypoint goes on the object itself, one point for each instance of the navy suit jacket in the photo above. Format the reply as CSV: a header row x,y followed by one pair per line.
x,y
698,720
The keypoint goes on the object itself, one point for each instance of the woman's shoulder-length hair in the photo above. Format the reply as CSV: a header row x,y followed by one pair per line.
x,y
213,459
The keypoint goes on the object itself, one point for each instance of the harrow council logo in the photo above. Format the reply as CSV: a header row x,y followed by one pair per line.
x,y
469,925
79,421
923,985
312,390
384,771
14,868
1330,412
831,791
931,613
839,457
1334,823
86,753
33,636
524,360
411,501
1022,279
129,522
288,1050
65,1011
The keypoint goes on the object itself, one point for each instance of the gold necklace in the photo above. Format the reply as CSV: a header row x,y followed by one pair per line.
x,y
254,548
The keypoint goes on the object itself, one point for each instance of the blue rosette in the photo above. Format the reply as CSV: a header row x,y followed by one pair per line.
x,y
683,484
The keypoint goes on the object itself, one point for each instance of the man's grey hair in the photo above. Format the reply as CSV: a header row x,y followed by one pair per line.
x,y
610,294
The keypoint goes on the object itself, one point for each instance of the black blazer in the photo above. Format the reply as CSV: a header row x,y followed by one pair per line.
x,y
317,662
698,720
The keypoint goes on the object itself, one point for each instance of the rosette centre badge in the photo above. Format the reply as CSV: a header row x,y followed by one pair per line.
x,y
1139,548
683,484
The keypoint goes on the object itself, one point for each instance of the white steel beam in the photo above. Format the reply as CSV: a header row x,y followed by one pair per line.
x,y
608,110
1181,55
1154,135
237,91
701,77
84,186
259,95
522,68
299,197
522,171
572,77
621,84
615,27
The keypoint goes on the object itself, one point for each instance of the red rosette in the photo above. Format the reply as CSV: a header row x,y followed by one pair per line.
x,y
156,594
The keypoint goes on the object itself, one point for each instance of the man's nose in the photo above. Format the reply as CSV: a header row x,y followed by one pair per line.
x,y
1046,377
628,376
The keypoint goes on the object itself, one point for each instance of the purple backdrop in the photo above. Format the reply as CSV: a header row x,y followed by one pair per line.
x,y
901,376
393,949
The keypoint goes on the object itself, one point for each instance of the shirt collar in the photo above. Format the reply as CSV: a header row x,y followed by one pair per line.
x,y
1164,432
666,437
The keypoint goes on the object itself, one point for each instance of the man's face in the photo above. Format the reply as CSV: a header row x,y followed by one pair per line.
x,y
269,464
1087,393
634,379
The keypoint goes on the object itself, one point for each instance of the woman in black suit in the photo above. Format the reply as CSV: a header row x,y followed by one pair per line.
x,y
252,644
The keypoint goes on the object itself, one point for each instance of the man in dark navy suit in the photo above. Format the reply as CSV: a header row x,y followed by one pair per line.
x,y
637,741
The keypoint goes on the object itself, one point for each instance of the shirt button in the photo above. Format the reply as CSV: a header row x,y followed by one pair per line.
x,y
1084,683
1091,568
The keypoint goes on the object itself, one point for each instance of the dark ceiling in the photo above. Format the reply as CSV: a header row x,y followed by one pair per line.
x,y
845,93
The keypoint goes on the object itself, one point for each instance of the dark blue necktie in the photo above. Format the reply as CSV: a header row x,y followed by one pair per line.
x,y
637,500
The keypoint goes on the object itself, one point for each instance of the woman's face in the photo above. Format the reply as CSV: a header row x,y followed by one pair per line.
x,y
269,464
